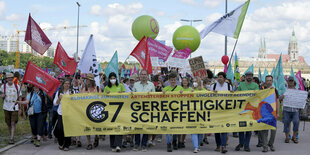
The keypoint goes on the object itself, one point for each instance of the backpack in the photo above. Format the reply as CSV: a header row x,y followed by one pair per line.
x,y
4,89
228,86
42,96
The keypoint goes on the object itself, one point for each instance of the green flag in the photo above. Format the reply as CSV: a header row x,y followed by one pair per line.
x,y
251,69
237,72
265,74
230,73
112,66
295,79
259,75
278,79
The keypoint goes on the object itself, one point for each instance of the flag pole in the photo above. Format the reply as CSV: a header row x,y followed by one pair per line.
x,y
233,51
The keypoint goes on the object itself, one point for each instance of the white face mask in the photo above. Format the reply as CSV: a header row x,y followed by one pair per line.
x,y
113,81
195,84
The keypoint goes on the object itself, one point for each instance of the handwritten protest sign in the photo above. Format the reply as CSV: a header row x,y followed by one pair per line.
x,y
295,98
198,67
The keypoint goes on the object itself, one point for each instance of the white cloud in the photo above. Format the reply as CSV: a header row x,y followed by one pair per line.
x,y
14,17
116,8
212,3
2,9
96,10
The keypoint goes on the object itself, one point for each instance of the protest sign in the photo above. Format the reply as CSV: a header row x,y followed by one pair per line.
x,y
198,67
169,113
295,98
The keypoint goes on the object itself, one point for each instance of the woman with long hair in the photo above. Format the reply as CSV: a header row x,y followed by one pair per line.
x,y
63,142
114,87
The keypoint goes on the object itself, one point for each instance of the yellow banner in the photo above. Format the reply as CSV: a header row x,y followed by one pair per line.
x,y
170,113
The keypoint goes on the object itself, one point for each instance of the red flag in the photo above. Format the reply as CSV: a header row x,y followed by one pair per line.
x,y
123,66
141,53
39,78
63,61
36,38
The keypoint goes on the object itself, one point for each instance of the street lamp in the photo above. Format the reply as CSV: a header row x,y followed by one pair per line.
x,y
191,20
77,29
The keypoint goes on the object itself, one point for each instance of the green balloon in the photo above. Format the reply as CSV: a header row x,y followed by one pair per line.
x,y
145,26
186,36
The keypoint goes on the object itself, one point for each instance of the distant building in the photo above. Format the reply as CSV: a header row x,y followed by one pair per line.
x,y
269,61
8,43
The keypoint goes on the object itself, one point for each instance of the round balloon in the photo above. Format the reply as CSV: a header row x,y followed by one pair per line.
x,y
225,59
145,26
186,36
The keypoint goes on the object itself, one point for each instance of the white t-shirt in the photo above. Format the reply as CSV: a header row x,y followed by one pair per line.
x,y
10,98
220,87
59,111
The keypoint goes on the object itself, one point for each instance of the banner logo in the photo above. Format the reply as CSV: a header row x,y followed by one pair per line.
x,y
96,112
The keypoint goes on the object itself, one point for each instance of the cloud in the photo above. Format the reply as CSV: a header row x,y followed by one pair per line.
x,y
14,17
2,9
96,10
212,3
116,8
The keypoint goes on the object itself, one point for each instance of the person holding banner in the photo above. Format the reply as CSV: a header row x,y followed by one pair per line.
x,y
248,84
114,87
290,114
186,88
170,88
63,142
143,86
91,88
221,85
264,133
197,138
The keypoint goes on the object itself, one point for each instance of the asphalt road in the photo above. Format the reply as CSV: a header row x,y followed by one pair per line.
x,y
51,148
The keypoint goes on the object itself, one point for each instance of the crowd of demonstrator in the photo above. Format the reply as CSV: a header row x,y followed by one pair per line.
x,y
45,114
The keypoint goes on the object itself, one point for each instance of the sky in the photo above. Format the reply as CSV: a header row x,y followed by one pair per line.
x,y
110,22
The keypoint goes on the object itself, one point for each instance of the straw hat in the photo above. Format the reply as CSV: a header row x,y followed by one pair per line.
x,y
90,76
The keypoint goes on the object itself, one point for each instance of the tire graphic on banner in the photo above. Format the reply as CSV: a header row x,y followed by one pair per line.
x,y
96,112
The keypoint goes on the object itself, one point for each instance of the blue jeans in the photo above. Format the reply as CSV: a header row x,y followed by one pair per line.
x,y
168,138
144,139
221,139
245,140
289,117
196,140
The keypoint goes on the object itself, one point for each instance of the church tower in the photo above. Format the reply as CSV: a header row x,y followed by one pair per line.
x,y
293,49
262,50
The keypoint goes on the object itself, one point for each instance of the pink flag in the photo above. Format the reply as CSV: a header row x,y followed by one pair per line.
x,y
130,72
182,54
299,79
36,38
225,68
157,49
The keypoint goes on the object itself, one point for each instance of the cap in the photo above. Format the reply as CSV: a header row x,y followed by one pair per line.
x,y
133,77
290,78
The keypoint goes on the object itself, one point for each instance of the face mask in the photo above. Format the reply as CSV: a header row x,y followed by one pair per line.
x,y
195,84
113,81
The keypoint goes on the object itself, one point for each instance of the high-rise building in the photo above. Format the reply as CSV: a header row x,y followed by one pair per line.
x,y
8,43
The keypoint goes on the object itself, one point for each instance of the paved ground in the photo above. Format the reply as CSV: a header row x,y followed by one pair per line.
x,y
50,148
